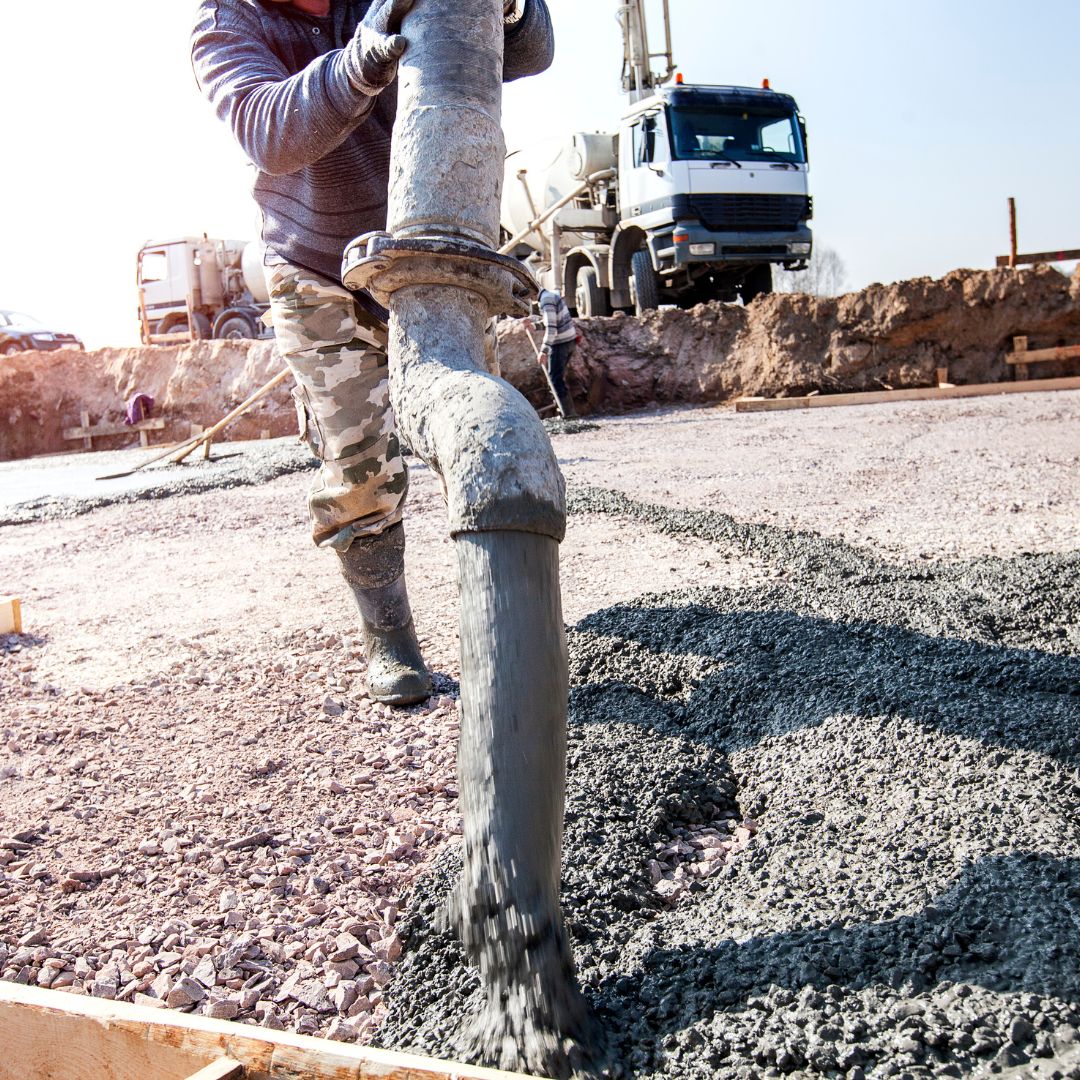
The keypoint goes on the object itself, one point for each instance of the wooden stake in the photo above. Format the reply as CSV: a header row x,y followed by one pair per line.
x,y
208,435
10,615
1012,233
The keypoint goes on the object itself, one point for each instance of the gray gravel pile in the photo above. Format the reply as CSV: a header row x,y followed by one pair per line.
x,y
892,751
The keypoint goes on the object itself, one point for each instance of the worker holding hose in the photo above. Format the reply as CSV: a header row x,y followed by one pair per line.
x,y
308,88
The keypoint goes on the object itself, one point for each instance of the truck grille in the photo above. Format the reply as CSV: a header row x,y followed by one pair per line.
x,y
745,213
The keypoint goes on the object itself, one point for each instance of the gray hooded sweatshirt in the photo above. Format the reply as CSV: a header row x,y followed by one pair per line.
x,y
322,149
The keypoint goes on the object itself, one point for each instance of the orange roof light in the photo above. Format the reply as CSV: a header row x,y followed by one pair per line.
x,y
765,84
678,78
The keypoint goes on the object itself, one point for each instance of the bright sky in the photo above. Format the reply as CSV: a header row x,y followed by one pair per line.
x,y
924,116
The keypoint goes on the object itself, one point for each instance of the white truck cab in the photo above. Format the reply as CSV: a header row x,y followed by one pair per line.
x,y
697,196
715,181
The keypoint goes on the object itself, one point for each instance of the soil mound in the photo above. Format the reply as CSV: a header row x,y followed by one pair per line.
x,y
884,336
41,393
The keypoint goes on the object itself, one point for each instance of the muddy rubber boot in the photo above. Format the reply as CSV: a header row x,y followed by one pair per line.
x,y
374,568
566,406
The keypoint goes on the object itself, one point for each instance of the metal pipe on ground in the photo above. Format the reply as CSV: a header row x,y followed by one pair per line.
x,y
436,270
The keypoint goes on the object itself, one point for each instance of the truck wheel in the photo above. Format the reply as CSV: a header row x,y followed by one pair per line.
x,y
591,299
235,327
180,326
758,282
646,283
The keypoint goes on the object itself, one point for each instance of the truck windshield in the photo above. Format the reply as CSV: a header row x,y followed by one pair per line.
x,y
714,133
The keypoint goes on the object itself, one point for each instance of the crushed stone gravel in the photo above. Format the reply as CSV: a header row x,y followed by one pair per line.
x,y
828,806
898,749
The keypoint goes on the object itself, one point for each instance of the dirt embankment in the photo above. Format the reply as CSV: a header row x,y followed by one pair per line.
x,y
884,336
42,393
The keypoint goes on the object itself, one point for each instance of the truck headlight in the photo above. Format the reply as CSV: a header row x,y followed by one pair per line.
x,y
702,249
800,249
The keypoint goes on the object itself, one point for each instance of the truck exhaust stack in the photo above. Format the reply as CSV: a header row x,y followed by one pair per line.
x,y
436,270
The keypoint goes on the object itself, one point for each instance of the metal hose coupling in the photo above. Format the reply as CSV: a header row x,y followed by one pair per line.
x,y
437,271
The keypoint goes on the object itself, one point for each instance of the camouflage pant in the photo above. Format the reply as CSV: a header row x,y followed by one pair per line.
x,y
337,354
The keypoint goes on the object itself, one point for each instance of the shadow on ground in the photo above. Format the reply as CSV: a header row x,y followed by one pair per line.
x,y
908,737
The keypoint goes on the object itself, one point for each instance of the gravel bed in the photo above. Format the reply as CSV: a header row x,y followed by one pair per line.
x,y
823,813
827,826
235,864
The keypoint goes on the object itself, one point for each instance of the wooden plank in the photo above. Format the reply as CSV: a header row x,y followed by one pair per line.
x,y
757,404
225,1068
95,432
10,615
1041,257
51,1035
1020,344
1041,356
919,393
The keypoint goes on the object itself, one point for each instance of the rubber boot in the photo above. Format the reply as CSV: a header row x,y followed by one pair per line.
x,y
374,569
566,406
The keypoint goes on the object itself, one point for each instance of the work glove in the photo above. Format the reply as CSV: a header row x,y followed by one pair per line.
x,y
371,58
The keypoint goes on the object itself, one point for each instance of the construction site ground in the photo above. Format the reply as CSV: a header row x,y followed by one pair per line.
x,y
824,769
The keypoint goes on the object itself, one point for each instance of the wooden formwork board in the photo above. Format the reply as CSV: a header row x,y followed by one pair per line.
x,y
51,1035
919,393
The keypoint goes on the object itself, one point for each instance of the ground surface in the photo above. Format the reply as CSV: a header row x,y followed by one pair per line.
x,y
824,792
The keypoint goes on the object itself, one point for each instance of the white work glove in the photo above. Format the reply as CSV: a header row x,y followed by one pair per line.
x,y
371,58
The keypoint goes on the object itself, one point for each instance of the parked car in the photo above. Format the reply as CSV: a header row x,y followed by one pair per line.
x,y
20,332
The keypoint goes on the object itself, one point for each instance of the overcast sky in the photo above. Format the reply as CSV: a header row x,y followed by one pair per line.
x,y
923,118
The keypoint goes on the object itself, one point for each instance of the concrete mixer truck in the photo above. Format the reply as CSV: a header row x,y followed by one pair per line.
x,y
700,193
198,287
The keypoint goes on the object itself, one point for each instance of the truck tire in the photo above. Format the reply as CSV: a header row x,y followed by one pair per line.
x,y
177,326
591,299
235,327
646,283
758,282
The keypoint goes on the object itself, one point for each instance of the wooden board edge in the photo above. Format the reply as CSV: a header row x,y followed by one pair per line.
x,y
918,393
263,1053
1041,356
771,404
99,431
10,615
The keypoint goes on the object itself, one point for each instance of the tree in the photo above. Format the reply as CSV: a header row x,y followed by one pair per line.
x,y
825,276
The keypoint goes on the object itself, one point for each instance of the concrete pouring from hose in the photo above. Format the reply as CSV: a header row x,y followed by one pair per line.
x,y
436,270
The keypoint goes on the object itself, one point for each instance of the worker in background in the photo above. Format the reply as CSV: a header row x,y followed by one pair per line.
x,y
560,341
308,88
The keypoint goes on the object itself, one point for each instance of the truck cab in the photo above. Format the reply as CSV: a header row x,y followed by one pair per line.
x,y
713,192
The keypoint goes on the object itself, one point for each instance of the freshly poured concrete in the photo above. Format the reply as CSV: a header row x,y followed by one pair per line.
x,y
901,746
